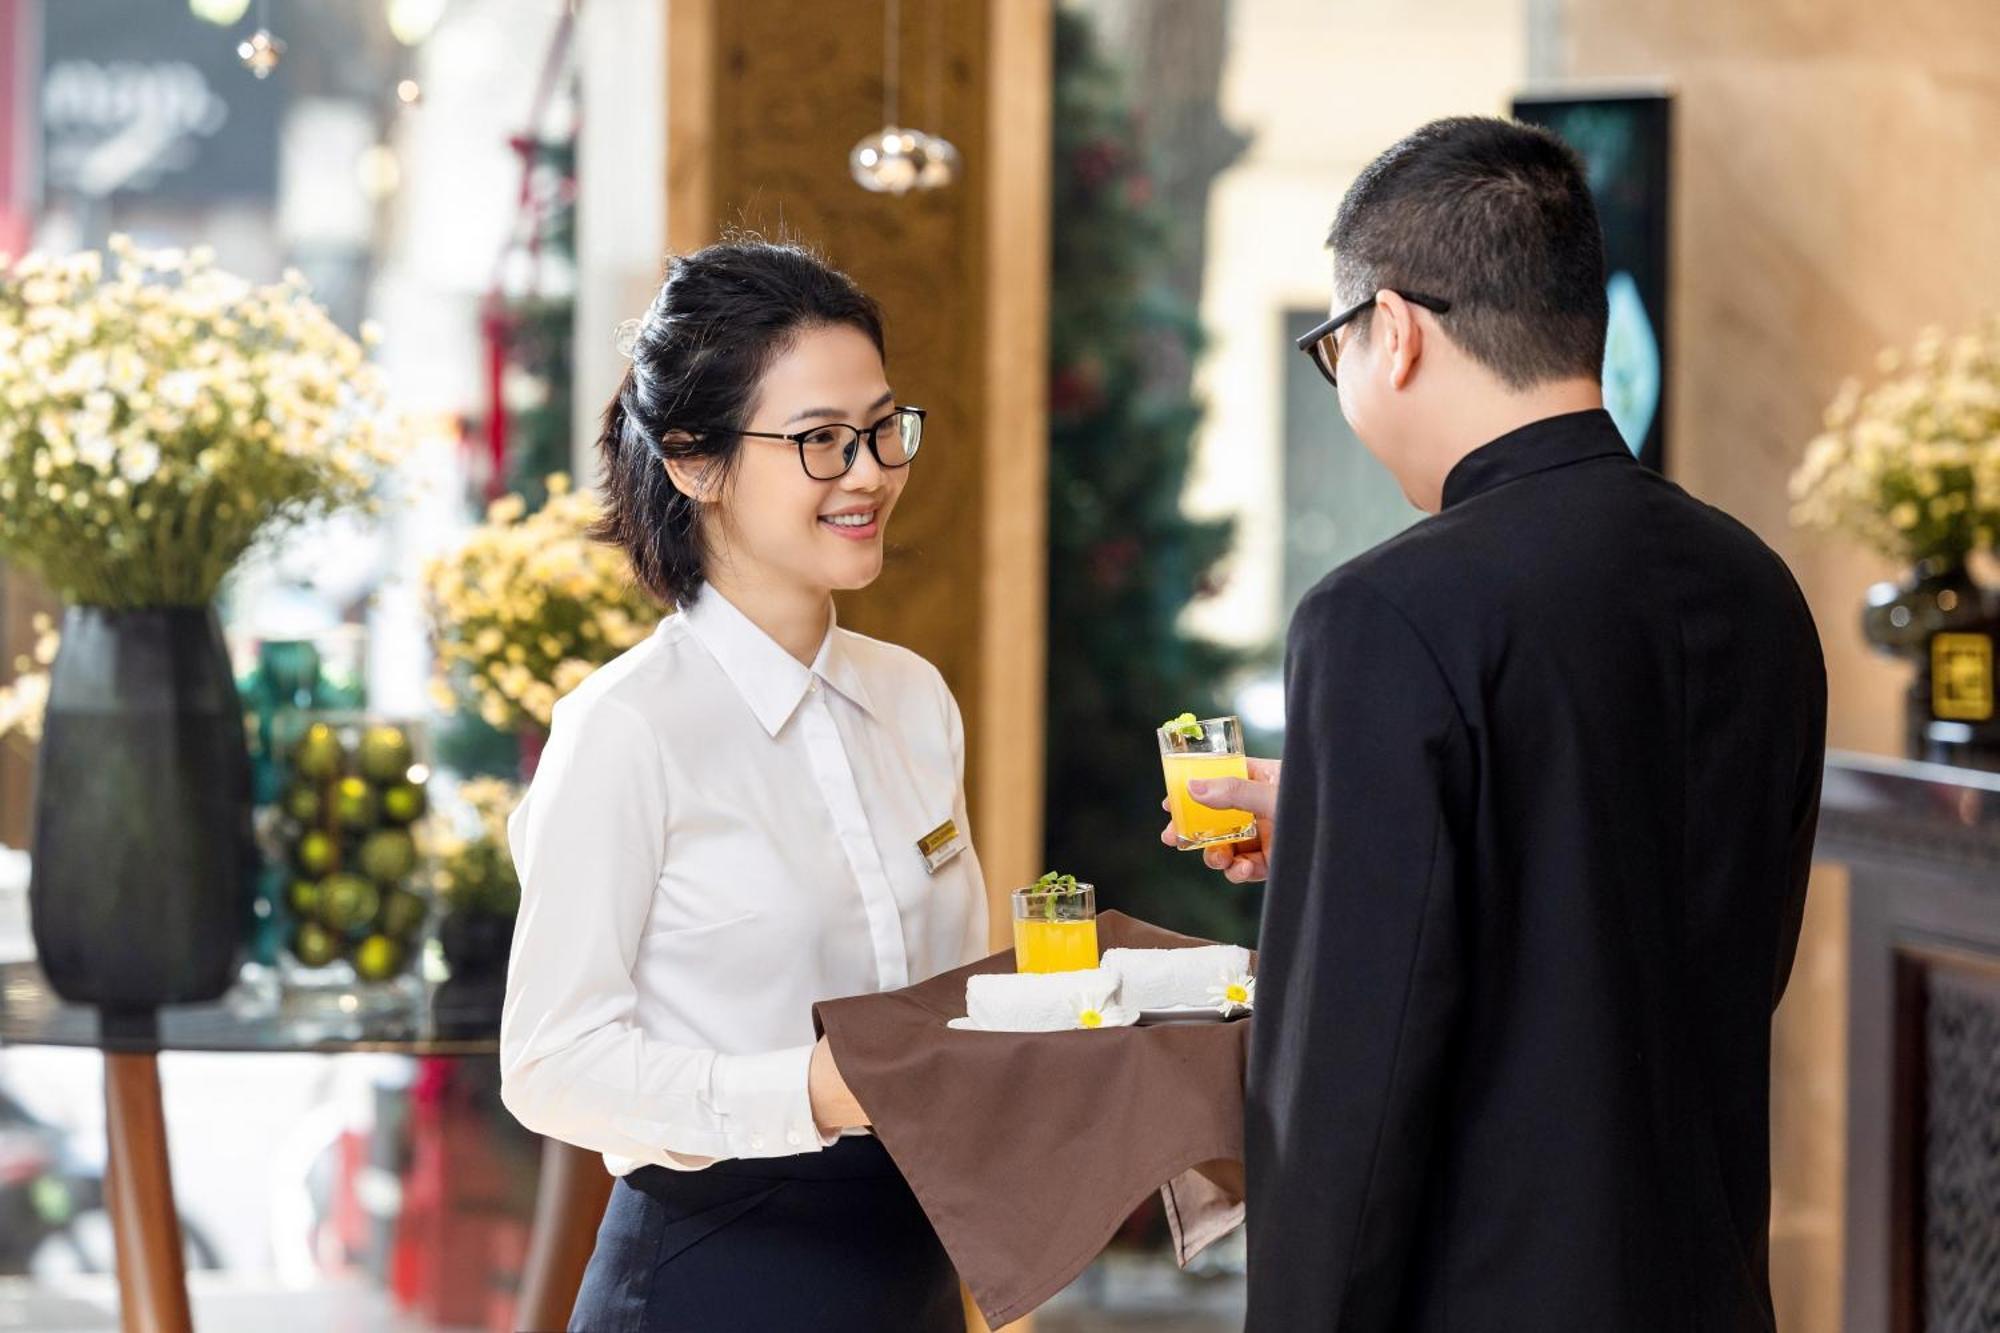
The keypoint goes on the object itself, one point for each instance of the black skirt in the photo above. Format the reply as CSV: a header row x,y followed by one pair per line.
x,y
831,1241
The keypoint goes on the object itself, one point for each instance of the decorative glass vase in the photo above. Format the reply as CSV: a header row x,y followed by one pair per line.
x,y
286,683
1946,625
143,858
353,914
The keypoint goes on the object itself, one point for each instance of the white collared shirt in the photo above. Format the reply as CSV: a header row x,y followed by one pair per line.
x,y
717,837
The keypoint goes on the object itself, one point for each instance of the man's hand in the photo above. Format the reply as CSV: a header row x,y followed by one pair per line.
x,y
833,1105
1240,862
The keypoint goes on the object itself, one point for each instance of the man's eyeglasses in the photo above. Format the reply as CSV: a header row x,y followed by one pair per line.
x,y
828,452
1323,346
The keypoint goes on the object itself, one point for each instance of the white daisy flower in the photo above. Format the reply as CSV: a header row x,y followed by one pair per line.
x,y
1231,993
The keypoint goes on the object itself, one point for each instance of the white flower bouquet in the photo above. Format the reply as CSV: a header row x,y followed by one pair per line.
x,y
1911,467
159,417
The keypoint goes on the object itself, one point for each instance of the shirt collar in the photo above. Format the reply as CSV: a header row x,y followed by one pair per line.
x,y
771,680
1553,442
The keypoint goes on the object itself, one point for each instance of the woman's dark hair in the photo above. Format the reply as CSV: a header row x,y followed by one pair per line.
x,y
724,313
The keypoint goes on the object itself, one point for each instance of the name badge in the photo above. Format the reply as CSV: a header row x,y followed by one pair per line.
x,y
939,846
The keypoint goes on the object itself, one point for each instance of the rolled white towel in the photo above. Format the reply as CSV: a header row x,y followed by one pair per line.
x,y
1045,1001
1173,978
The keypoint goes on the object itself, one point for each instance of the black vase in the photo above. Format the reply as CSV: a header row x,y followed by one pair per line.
x,y
1946,625
143,859
476,942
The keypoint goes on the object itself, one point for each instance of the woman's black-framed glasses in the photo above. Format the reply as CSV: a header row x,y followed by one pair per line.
x,y
1321,344
828,452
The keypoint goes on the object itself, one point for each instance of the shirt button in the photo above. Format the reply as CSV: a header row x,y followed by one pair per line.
x,y
812,686
794,1138
756,1143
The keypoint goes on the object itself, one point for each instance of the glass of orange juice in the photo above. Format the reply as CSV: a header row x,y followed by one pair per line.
x,y
1192,750
1055,925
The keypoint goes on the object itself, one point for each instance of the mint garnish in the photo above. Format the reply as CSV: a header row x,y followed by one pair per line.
x,y
1053,884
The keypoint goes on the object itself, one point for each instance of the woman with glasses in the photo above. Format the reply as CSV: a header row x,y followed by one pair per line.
x,y
751,811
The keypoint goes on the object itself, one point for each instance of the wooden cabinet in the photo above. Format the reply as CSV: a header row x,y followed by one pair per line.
x,y
1922,846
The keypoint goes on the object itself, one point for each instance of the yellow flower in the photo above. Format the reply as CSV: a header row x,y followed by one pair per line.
x,y
539,700
520,610
571,673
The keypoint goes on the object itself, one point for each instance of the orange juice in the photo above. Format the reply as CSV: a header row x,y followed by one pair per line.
x,y
1194,823
1054,946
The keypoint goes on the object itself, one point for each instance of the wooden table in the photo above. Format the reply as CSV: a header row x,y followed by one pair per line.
x,y
139,1192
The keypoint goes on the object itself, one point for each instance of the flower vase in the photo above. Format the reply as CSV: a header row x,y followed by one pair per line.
x,y
143,856
1946,625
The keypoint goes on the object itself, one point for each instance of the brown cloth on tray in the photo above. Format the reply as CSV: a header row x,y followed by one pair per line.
x,y
1028,1149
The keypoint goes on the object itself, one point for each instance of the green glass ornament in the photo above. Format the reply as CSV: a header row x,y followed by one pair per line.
x,y
385,753
302,803
315,945
388,855
317,853
378,958
348,902
402,913
354,804
403,803
302,896
319,755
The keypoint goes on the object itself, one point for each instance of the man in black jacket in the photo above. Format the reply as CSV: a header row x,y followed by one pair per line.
x,y
1539,854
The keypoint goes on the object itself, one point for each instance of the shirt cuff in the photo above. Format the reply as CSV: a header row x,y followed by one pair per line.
x,y
764,1103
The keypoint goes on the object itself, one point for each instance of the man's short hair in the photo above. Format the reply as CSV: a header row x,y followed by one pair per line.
x,y
1495,217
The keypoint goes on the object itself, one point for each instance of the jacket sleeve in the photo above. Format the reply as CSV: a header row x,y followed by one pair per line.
x,y
1361,961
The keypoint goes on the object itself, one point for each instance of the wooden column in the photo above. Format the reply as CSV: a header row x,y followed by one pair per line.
x,y
764,102
1008,776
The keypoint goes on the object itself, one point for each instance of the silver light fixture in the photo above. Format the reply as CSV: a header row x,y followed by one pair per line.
x,y
896,159
260,52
